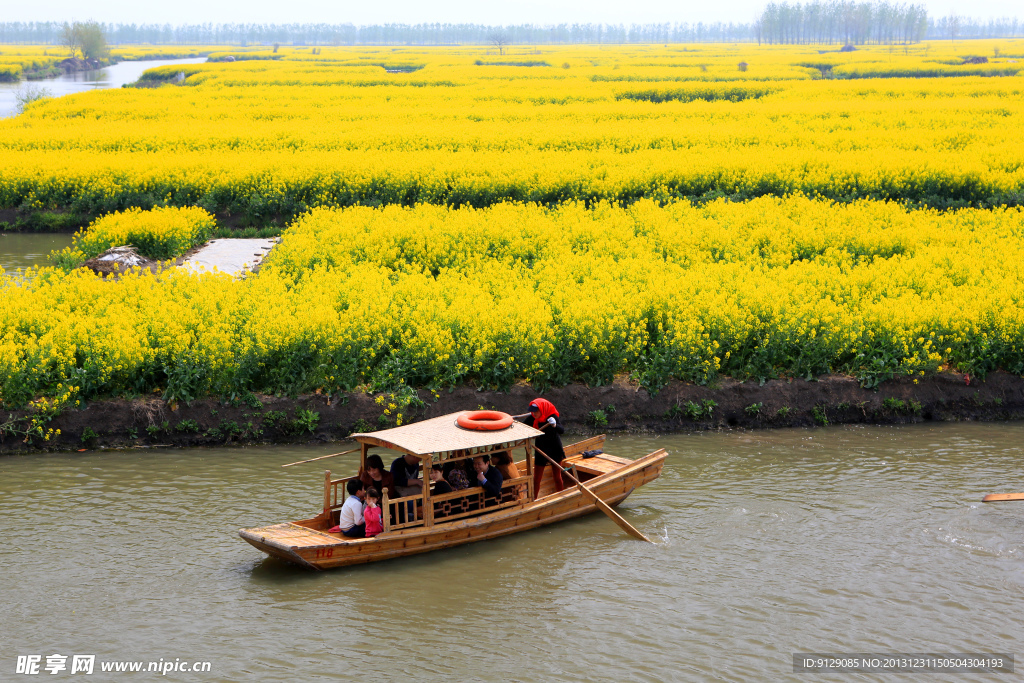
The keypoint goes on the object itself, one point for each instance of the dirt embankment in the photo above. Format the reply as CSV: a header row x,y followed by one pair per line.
x,y
678,407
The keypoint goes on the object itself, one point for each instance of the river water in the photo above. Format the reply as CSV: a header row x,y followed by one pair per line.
x,y
846,539
25,250
110,77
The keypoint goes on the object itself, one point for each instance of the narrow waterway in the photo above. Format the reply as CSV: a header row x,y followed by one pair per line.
x,y
110,77
848,539
27,250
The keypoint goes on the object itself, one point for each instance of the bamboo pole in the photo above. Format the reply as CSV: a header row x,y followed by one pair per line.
x,y
601,505
321,457
530,493
327,495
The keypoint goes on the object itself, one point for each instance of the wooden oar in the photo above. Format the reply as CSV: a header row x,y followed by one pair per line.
x,y
996,497
601,505
321,457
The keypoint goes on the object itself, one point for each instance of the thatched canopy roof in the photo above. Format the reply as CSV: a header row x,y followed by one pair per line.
x,y
441,434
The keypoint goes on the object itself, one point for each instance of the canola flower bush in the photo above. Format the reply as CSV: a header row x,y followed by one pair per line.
x,y
268,139
436,296
161,233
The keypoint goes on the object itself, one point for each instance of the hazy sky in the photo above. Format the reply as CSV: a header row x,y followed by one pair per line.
x,y
415,11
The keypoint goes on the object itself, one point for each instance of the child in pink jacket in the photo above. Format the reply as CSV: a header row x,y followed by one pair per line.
x,y
372,513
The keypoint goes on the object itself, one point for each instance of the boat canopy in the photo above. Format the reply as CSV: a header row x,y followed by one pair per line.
x,y
442,435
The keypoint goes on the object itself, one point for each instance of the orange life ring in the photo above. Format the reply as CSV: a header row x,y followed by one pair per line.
x,y
484,420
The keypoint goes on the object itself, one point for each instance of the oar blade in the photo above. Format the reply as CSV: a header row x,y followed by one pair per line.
x,y
600,504
998,497
623,524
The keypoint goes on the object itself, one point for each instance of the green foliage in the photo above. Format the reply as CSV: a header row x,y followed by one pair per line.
x,y
10,73
361,426
706,93
894,404
188,426
230,428
161,233
819,415
523,62
753,409
88,435
598,418
900,406
28,95
783,412
272,418
305,420
707,407
695,411
68,258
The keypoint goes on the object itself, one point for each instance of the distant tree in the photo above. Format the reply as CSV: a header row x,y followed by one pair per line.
x,y
500,41
85,37
954,27
70,38
94,41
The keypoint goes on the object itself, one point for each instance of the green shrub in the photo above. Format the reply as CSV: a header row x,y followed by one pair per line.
x,y
161,233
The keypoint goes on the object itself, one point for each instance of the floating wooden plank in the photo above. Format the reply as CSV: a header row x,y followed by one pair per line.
x,y
997,497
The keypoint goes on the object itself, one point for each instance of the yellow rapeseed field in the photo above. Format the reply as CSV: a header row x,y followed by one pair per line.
x,y
552,215
266,138
435,295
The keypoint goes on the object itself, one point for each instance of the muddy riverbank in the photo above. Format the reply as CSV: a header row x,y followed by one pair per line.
x,y
620,407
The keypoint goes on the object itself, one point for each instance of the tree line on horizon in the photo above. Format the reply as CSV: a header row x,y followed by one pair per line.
x,y
829,22
841,21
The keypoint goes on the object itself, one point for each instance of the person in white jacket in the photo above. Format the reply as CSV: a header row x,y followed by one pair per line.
x,y
351,520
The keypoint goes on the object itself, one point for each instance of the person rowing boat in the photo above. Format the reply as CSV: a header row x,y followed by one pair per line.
x,y
544,416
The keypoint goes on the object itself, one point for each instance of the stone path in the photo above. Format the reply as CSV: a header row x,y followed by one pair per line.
x,y
229,255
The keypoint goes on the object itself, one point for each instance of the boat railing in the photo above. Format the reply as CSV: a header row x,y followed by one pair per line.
x,y
474,500
401,513
334,493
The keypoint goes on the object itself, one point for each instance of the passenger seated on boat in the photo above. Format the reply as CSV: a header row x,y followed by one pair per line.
x,y
439,485
374,475
372,513
350,522
455,475
508,469
405,473
489,478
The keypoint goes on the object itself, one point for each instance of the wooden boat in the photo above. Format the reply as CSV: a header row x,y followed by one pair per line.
x,y
431,522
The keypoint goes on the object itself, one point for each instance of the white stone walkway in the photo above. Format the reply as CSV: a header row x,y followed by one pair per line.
x,y
229,255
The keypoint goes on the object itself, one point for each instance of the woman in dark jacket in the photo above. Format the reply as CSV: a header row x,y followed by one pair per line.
x,y
544,416
377,477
